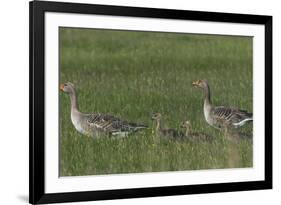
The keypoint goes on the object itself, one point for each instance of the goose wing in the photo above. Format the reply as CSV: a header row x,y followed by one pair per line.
x,y
112,124
230,116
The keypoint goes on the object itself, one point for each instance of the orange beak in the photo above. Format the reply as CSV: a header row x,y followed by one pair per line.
x,y
61,87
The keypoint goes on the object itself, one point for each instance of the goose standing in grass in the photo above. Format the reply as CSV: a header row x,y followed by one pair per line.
x,y
97,124
221,117
164,132
193,135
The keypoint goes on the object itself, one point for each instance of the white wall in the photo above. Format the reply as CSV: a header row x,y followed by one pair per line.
x,y
14,100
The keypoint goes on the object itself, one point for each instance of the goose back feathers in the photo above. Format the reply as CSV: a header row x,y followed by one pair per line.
x,y
112,124
224,116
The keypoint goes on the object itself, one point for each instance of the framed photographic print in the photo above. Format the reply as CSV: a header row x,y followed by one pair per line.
x,y
140,102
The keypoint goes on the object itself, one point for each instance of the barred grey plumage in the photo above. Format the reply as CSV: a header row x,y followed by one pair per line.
x,y
97,124
112,124
221,116
230,116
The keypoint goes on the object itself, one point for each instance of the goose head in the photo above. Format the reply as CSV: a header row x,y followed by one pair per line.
x,y
156,116
67,88
200,84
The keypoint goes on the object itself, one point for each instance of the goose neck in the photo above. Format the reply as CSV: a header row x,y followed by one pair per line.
x,y
158,125
187,132
74,103
207,96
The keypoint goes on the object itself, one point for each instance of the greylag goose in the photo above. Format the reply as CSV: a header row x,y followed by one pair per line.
x,y
96,124
193,135
221,117
164,132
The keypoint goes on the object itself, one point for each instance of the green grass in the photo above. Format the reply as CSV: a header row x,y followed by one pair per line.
x,y
133,74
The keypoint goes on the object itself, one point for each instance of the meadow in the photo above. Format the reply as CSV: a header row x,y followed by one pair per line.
x,y
134,74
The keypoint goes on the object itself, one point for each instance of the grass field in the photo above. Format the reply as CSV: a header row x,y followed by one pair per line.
x,y
133,74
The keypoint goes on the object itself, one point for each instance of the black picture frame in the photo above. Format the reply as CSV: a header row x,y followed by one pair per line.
x,y
37,10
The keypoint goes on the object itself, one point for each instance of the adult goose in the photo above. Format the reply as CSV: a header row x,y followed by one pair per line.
x,y
97,124
162,132
221,117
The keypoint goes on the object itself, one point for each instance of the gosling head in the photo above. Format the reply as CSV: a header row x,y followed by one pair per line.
x,y
156,116
186,125
67,87
200,83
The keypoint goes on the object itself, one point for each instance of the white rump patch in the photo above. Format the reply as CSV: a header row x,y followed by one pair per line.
x,y
241,123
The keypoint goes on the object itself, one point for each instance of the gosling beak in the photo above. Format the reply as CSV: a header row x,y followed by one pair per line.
x,y
61,87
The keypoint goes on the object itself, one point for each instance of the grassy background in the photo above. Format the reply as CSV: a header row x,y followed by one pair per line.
x,y
133,74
